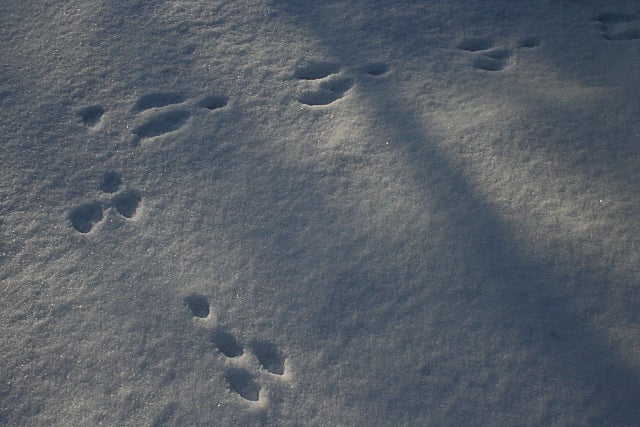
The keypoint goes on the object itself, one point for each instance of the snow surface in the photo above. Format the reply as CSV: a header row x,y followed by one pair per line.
x,y
332,213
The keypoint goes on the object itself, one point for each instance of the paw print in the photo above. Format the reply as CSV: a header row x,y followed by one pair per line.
x,y
327,82
157,114
125,203
488,57
91,116
619,26
160,113
248,367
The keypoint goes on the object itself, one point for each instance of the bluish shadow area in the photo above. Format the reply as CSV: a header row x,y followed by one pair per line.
x,y
523,295
517,294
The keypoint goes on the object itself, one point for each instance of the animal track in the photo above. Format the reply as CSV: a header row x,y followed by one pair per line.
x,y
157,100
240,380
325,92
243,383
110,182
213,102
127,203
619,26
86,216
529,42
237,374
269,356
317,70
166,112
375,69
161,113
328,92
90,116
498,54
475,44
328,85
198,304
491,58
227,344
161,123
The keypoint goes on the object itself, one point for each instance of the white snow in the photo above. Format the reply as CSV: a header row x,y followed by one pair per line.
x,y
337,213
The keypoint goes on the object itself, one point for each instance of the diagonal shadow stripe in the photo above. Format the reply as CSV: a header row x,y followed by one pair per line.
x,y
519,292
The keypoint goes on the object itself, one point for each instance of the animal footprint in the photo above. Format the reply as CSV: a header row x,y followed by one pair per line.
x,y
317,70
157,100
328,85
90,116
110,182
327,92
488,57
269,356
198,304
240,379
492,60
213,102
243,383
475,44
619,26
161,123
529,42
166,112
375,69
86,216
227,344
240,374
127,203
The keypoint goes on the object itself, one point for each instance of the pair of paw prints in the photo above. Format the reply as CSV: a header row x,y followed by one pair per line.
x,y
239,376
329,82
488,57
160,113
619,26
125,203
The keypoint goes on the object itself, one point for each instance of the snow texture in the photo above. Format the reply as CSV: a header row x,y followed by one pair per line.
x,y
332,213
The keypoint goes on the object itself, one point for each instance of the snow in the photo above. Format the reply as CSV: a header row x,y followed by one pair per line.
x,y
319,213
